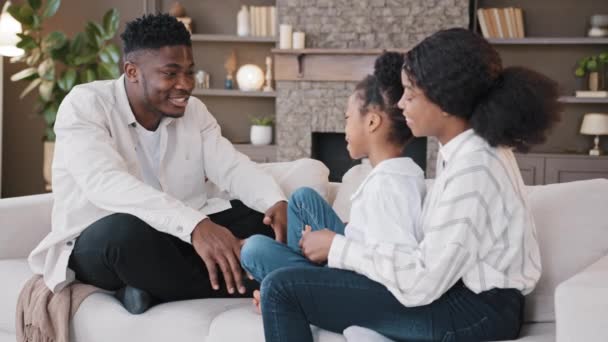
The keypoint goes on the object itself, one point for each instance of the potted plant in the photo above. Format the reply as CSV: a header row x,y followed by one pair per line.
x,y
261,130
55,63
603,68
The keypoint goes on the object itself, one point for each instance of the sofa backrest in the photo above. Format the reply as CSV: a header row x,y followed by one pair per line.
x,y
572,229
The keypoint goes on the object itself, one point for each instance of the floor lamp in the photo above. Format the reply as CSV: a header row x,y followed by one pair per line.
x,y
9,27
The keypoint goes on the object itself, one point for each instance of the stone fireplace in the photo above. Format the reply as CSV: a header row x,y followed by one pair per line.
x,y
343,38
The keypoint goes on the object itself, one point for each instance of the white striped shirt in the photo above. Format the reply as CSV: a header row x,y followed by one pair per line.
x,y
477,227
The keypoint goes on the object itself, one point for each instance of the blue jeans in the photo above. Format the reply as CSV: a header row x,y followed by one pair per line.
x,y
261,255
334,299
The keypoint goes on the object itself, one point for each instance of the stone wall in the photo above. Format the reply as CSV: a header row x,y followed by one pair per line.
x,y
306,107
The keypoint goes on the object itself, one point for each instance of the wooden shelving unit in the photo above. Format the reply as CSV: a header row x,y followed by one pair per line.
x,y
588,100
233,93
226,38
549,41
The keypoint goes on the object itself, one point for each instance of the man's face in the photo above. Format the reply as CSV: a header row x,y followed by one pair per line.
x,y
164,80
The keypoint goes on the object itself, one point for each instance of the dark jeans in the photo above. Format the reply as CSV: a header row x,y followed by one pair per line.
x,y
333,299
120,250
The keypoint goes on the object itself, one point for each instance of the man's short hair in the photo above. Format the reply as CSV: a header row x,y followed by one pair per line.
x,y
153,31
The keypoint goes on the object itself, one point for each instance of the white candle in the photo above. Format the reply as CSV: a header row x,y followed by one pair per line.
x,y
298,40
285,36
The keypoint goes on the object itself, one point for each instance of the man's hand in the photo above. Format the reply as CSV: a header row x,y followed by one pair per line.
x,y
217,246
315,245
276,217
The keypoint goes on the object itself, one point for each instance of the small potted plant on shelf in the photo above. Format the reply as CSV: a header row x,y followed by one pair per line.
x,y
588,67
261,130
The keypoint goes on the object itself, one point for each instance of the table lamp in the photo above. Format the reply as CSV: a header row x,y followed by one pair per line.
x,y
595,124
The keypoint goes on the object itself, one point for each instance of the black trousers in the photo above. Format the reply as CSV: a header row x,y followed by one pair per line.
x,y
120,250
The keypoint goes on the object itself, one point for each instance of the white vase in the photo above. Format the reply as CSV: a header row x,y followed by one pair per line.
x,y
242,22
47,163
261,135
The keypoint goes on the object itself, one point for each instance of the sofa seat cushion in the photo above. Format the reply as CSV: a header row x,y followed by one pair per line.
x,y
251,327
14,274
102,318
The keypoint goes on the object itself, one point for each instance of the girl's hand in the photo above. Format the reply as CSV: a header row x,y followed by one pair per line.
x,y
315,245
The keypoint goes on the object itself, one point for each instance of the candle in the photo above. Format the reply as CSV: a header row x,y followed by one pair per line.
x,y
298,40
285,36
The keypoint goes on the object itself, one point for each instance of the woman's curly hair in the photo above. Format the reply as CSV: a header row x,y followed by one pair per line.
x,y
463,74
154,31
383,90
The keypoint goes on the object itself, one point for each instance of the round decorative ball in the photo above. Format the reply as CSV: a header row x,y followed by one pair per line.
x,y
250,77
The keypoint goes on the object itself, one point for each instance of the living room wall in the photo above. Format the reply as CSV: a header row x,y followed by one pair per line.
x,y
23,129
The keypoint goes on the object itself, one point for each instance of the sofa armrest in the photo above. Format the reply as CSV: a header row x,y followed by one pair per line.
x,y
581,305
24,222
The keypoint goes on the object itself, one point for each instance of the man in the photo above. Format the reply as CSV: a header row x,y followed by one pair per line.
x,y
132,156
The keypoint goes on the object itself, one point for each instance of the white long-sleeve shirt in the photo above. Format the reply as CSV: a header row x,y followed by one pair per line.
x,y
476,226
388,203
97,172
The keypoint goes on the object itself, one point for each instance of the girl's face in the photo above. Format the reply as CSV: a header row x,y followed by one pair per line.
x,y
356,129
422,116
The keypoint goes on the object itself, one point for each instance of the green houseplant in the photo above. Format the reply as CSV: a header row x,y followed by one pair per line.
x,y
56,63
261,130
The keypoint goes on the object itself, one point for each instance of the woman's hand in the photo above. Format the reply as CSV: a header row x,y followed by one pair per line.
x,y
315,245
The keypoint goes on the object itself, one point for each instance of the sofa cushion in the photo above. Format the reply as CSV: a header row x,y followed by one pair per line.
x,y
14,274
102,318
572,228
251,328
350,183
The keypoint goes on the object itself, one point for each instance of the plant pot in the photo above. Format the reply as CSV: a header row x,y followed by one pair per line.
x,y
261,135
49,150
580,83
594,81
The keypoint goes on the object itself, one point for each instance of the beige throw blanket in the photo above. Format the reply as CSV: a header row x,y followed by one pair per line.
x,y
44,316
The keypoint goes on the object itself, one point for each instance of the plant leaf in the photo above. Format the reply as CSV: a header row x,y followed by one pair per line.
x,y
87,76
30,87
27,42
114,52
111,22
24,74
104,71
34,4
95,34
46,90
51,8
86,59
66,83
34,57
49,114
77,44
46,69
27,13
53,41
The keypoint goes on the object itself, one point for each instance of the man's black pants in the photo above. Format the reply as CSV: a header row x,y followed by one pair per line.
x,y
120,250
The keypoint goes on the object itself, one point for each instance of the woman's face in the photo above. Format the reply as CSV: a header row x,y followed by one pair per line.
x,y
356,134
422,116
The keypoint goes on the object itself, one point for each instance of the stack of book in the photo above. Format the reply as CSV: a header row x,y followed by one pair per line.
x,y
263,21
501,22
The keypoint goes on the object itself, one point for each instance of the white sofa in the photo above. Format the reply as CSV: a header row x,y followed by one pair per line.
x,y
569,304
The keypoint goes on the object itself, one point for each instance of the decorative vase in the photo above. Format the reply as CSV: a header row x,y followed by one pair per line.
x,y
47,163
594,81
261,135
242,22
228,83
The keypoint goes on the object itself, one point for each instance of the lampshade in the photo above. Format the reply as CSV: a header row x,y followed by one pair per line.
x,y
250,77
595,124
9,27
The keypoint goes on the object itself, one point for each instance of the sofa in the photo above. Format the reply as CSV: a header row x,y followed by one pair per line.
x,y
570,302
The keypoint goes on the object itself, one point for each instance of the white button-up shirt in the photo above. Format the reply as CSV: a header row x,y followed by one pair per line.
x,y
477,227
388,203
96,172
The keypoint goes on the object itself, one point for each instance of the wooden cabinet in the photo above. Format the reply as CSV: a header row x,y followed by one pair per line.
x,y
538,169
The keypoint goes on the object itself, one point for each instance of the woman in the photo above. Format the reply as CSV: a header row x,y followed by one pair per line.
x,y
478,255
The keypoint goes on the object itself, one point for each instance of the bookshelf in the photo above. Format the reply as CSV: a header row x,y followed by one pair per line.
x,y
555,39
213,39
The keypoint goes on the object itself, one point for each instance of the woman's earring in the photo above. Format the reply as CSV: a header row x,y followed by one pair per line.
x,y
445,114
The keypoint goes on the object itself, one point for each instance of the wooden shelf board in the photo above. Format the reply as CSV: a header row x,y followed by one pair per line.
x,y
549,41
233,92
332,51
574,99
226,38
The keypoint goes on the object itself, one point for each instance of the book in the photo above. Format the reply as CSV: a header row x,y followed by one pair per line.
x,y
519,15
273,21
511,25
482,23
591,93
496,15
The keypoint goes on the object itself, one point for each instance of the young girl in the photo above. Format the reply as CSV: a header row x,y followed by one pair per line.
x,y
477,256
387,204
